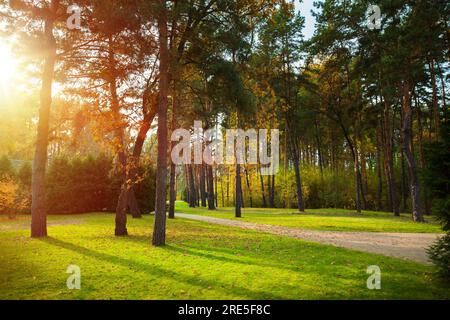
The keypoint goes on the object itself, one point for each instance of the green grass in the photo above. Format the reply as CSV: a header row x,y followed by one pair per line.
x,y
200,261
323,219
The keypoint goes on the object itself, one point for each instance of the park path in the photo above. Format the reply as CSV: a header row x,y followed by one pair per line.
x,y
409,246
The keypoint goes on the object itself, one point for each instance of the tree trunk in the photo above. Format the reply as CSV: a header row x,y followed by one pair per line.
x,y
355,156
122,202
133,204
358,181
172,190
319,146
238,184
197,169
286,196
272,191
121,213
221,189
137,151
216,193
298,184
363,182
436,117
202,184
403,179
242,194
407,142
379,173
263,192
159,230
228,187
238,192
423,162
38,210
444,98
388,158
187,190
192,198
210,186
295,153
247,179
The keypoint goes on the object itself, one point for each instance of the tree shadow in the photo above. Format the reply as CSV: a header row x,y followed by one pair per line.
x,y
188,249
155,270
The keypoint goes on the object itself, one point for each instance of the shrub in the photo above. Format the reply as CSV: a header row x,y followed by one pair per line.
x,y
145,190
13,199
6,168
439,254
74,185
91,184
80,185
437,178
8,189
24,174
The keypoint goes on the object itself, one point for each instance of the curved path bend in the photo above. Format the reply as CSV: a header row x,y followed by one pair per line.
x,y
409,246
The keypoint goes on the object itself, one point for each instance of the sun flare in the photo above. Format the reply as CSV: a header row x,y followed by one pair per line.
x,y
7,65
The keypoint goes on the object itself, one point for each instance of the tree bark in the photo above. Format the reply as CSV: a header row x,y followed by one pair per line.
x,y
436,116
407,142
228,187
444,98
197,183
172,189
202,184
192,195
159,230
238,183
238,192
403,180
122,202
363,182
358,180
216,193
222,190
295,153
38,209
272,191
247,179
188,186
355,156
379,173
388,158
423,162
210,186
133,204
137,151
319,146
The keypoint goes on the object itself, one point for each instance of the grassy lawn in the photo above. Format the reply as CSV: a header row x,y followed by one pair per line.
x,y
323,219
201,261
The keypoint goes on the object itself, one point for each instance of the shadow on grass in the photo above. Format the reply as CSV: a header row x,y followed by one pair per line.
x,y
190,249
152,269
226,259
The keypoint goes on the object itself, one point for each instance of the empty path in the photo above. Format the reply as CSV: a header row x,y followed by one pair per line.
x,y
410,246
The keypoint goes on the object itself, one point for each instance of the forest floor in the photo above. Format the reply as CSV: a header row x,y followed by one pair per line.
x,y
200,261
411,246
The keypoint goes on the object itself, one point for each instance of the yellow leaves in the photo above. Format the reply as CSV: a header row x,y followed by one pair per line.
x,y
284,108
8,191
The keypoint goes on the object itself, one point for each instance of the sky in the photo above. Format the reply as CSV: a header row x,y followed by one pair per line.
x,y
305,8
